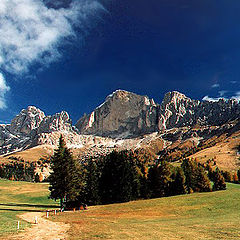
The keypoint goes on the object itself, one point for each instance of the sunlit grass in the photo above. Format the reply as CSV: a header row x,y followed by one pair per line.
x,y
19,197
212,215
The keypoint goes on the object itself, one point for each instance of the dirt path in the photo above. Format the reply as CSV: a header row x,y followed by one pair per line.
x,y
43,230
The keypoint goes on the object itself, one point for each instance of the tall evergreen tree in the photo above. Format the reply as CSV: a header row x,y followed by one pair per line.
x,y
92,181
219,181
196,177
178,184
159,179
119,180
66,179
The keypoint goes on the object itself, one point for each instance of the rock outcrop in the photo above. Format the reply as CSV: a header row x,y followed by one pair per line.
x,y
177,110
31,128
26,121
123,114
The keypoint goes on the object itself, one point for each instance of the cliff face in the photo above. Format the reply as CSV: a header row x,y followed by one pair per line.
x,y
177,110
123,114
31,127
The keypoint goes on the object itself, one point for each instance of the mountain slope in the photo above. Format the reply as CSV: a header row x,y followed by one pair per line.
x,y
127,121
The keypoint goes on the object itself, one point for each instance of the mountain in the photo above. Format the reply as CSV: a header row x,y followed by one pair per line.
x,y
31,127
179,126
177,110
123,114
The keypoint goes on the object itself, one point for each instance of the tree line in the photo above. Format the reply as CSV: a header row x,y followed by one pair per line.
x,y
124,176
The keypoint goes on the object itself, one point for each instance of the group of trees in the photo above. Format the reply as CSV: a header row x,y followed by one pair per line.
x,y
19,171
124,176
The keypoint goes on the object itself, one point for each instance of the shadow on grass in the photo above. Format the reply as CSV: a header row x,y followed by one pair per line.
x,y
28,205
20,210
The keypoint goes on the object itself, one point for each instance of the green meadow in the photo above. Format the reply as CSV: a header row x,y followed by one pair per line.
x,y
214,215
19,197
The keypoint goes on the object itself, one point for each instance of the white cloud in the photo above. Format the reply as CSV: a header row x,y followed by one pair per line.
x,y
236,96
222,93
210,99
216,85
3,89
31,32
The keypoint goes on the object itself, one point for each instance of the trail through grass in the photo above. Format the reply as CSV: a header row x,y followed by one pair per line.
x,y
19,197
213,215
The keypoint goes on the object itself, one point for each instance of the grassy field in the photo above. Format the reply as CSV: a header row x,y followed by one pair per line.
x,y
213,215
20,197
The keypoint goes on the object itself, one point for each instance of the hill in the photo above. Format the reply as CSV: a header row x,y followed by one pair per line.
x,y
212,216
179,127
20,197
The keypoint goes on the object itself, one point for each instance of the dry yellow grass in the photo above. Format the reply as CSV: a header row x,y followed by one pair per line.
x,y
224,153
212,216
31,155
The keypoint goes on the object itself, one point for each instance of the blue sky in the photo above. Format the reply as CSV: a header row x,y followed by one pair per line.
x,y
71,55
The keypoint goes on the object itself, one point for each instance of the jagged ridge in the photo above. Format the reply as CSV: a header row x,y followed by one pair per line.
x,y
122,115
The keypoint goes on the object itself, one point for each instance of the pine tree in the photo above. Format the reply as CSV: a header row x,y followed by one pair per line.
x,y
119,181
66,179
159,179
235,178
219,181
196,177
178,184
238,174
92,181
202,181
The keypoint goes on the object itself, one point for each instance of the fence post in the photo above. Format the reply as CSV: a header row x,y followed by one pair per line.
x,y
18,225
36,220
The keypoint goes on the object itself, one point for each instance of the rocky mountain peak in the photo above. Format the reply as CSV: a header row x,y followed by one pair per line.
x,y
123,114
26,121
176,99
57,122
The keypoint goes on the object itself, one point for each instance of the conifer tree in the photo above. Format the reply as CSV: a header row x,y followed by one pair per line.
x,y
219,181
196,177
159,179
178,185
119,180
66,179
235,178
92,181
238,174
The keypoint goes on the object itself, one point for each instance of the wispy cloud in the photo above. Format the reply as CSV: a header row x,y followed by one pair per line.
x,y
222,93
31,31
3,89
216,85
211,99
236,96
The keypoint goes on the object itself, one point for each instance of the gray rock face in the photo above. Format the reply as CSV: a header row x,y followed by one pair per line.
x,y
177,110
31,126
123,114
57,122
26,121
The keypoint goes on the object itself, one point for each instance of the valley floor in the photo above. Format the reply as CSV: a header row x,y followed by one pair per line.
x,y
17,198
214,215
